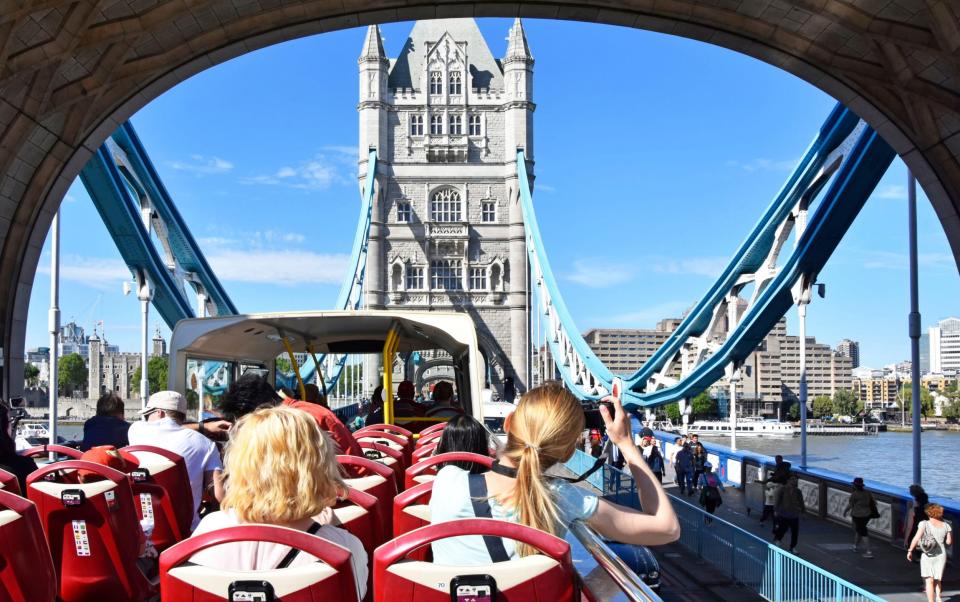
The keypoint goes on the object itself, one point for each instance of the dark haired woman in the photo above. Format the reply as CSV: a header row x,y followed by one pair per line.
x,y
917,513
465,434
9,460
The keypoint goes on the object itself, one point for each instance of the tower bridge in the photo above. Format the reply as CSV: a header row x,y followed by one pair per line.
x,y
447,216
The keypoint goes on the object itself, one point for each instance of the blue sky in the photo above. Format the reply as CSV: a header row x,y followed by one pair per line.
x,y
654,157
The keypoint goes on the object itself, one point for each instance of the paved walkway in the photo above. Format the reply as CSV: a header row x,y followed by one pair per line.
x,y
829,545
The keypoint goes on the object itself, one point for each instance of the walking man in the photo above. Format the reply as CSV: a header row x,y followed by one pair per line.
x,y
788,508
684,469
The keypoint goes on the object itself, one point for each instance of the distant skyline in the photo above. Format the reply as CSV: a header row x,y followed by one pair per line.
x,y
655,155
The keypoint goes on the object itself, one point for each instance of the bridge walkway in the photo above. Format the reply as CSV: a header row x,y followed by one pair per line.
x,y
829,545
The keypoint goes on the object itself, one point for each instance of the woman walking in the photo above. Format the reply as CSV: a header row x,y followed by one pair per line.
x,y
710,489
788,507
933,536
862,508
917,513
699,459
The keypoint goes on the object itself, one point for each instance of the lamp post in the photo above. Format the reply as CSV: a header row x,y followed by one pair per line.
x,y
802,297
54,327
914,321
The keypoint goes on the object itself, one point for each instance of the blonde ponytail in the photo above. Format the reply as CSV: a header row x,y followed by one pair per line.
x,y
543,431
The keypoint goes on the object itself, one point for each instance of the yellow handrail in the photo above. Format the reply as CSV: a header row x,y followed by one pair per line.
x,y
389,347
323,383
296,368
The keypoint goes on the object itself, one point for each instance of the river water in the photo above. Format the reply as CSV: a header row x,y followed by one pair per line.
x,y
887,457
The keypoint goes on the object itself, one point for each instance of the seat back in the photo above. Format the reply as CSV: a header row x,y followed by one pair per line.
x,y
42,451
359,514
376,479
425,470
433,429
546,576
93,532
397,442
389,428
154,506
330,579
385,455
411,510
433,438
9,482
26,568
420,453
168,471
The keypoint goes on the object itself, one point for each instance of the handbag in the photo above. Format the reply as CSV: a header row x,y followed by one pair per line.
x,y
874,511
928,543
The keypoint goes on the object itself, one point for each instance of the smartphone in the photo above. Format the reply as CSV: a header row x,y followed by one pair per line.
x,y
250,591
473,588
616,390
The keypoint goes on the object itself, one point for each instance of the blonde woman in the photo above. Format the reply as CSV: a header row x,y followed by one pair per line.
x,y
542,432
280,469
933,538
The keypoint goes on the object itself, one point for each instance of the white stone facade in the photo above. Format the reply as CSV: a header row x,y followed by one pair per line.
x,y
447,119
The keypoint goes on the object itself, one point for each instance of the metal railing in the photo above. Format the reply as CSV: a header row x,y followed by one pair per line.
x,y
627,581
771,572
347,413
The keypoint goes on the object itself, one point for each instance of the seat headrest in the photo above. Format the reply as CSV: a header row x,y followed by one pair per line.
x,y
8,516
507,574
284,581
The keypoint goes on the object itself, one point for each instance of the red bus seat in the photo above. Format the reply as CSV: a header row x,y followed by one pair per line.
x,y
548,576
378,480
26,568
42,451
359,514
9,482
426,451
433,429
426,470
397,442
433,437
411,510
93,532
330,579
386,456
167,470
389,428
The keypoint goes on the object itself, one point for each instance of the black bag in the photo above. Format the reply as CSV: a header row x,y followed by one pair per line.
x,y
874,511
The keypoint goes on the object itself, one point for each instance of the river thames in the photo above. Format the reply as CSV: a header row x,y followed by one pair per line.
x,y
886,457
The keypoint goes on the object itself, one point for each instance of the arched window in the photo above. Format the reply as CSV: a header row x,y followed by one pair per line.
x,y
436,125
397,277
455,83
445,206
436,82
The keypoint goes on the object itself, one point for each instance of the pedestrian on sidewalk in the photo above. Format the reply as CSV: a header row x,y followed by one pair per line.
x,y
651,453
677,446
699,459
684,470
917,513
770,490
710,489
788,507
933,536
862,508
781,471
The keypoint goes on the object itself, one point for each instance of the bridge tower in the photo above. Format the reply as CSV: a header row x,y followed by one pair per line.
x,y
446,119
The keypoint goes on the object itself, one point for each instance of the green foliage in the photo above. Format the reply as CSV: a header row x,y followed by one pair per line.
x,y
926,400
794,412
73,374
283,365
822,406
703,406
193,400
30,375
845,403
673,412
157,373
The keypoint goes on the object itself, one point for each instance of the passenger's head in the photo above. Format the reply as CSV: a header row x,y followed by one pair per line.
x,y
541,432
313,394
918,493
465,434
110,404
858,483
406,391
166,404
778,458
443,392
934,511
248,393
279,467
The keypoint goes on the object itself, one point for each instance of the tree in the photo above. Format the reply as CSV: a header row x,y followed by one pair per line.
x,y
283,365
30,375
794,412
673,412
157,373
73,374
822,406
926,400
845,403
703,405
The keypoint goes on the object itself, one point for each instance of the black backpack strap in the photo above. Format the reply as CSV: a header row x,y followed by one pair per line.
x,y
292,554
481,509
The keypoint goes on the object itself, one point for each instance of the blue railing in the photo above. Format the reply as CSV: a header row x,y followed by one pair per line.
x,y
347,413
774,574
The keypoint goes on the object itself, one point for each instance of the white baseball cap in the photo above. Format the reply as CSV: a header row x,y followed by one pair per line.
x,y
166,400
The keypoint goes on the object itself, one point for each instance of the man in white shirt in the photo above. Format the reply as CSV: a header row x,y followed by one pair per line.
x,y
163,427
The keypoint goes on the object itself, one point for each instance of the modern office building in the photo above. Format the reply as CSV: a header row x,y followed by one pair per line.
x,y
850,349
625,350
945,346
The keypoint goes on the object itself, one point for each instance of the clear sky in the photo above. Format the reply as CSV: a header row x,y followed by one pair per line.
x,y
654,157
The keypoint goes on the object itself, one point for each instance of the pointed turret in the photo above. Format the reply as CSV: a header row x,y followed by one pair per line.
x,y
373,45
517,47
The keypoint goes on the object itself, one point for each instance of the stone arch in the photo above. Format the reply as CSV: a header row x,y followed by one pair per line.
x,y
896,65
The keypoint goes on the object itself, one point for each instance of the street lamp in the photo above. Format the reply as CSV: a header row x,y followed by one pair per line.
x,y
802,297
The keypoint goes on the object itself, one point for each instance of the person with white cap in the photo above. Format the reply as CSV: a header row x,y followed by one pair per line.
x,y
162,426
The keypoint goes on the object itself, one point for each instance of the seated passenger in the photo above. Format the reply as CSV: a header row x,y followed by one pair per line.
x,y
542,432
251,391
108,427
10,460
443,403
405,406
281,470
464,434
163,427
374,413
315,396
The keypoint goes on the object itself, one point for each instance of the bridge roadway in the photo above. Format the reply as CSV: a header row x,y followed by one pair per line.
x,y
822,542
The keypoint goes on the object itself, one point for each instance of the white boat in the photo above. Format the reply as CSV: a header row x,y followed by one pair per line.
x,y
747,427
30,435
